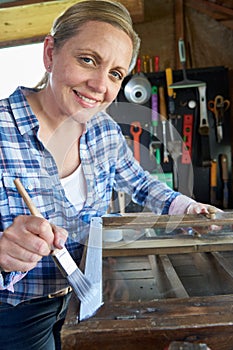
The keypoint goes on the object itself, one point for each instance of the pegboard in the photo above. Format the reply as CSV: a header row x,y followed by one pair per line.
x,y
194,169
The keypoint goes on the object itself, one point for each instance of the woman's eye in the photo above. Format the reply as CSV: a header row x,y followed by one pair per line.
x,y
117,75
87,60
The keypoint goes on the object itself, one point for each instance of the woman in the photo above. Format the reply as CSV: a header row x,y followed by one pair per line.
x,y
69,154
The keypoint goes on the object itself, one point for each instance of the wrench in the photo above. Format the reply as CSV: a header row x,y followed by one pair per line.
x,y
136,130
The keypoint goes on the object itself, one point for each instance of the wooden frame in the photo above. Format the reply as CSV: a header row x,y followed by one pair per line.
x,y
144,324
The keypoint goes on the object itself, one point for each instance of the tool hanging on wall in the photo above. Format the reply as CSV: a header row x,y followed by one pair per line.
x,y
155,110
136,130
155,144
225,178
171,101
204,127
156,63
187,139
170,93
174,145
151,68
163,119
218,107
185,83
213,182
138,88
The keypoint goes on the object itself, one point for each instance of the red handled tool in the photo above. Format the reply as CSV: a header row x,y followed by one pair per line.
x,y
187,137
156,63
136,130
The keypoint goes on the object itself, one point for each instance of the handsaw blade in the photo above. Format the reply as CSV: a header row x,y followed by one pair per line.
x,y
93,269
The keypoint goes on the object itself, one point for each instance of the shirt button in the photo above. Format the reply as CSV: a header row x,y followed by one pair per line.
x,y
30,187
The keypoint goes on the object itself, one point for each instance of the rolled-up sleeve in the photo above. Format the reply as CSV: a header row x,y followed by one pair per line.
x,y
180,205
8,279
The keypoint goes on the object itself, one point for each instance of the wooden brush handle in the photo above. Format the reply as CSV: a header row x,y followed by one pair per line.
x,y
28,201
31,206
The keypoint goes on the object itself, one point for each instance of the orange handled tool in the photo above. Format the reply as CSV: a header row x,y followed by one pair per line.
x,y
213,182
136,130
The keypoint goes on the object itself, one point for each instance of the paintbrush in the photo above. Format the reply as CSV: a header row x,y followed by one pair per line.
x,y
81,286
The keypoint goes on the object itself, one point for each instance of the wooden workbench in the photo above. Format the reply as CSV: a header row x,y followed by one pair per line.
x,y
161,289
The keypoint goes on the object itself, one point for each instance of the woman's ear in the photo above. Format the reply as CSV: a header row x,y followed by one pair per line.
x,y
48,52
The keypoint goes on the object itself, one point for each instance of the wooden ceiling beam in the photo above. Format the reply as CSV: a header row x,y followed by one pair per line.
x,y
31,22
20,2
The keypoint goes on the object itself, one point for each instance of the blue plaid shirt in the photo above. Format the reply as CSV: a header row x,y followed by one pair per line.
x,y
107,163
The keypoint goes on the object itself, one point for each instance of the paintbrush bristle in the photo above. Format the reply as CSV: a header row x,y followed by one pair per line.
x,y
78,281
82,287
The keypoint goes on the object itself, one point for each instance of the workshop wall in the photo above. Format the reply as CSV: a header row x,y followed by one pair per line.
x,y
208,42
209,58
187,148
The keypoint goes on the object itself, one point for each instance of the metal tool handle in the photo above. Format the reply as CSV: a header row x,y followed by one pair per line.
x,y
182,53
204,123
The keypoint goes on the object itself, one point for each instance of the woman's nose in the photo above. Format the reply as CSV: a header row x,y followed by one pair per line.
x,y
98,82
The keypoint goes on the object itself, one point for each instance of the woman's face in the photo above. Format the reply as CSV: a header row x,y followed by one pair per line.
x,y
87,71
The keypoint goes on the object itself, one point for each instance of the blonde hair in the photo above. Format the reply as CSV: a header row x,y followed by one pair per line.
x,y
68,24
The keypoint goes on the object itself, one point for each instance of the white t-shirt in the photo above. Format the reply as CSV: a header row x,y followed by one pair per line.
x,y
75,187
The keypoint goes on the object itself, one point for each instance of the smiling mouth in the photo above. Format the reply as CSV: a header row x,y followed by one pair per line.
x,y
84,98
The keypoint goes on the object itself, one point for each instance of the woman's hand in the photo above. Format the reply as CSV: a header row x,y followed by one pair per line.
x,y
200,208
26,241
210,212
